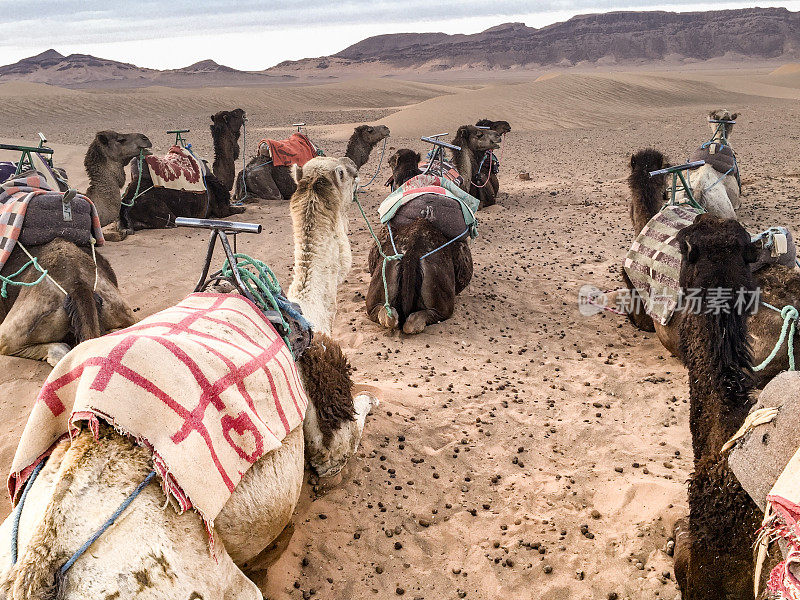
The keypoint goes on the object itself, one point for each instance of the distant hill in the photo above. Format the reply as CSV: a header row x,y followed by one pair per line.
x,y
607,38
615,38
83,71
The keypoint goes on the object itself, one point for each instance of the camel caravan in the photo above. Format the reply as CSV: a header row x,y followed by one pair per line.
x,y
197,422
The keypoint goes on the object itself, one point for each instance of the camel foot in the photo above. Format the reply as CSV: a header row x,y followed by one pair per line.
x,y
680,553
55,352
236,210
113,232
415,323
388,319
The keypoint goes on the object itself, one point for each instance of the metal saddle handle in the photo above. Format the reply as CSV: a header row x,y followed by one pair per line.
x,y
436,142
677,168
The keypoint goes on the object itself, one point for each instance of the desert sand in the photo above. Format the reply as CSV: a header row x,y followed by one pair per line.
x,y
520,450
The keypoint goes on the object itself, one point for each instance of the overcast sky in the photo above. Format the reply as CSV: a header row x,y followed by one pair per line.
x,y
252,35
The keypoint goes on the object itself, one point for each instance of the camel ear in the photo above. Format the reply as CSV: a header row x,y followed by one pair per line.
x,y
689,253
734,116
339,173
633,161
419,157
297,173
102,138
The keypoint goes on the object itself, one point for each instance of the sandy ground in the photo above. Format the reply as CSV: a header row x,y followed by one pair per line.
x,y
521,450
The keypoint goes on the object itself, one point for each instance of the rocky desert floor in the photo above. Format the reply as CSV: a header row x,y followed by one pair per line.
x,y
520,450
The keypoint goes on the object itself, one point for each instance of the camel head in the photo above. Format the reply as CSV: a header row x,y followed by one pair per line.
x,y
230,121
716,254
372,134
405,165
501,127
470,137
119,148
722,114
332,180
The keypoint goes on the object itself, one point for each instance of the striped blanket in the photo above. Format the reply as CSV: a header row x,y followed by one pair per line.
x,y
208,385
177,170
448,170
16,195
653,263
296,150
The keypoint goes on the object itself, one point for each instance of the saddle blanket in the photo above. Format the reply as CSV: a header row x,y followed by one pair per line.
x,y
177,170
208,385
653,263
297,150
719,156
783,521
422,187
448,170
30,211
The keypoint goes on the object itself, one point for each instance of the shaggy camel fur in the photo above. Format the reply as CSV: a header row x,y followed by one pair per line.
x,y
226,126
779,285
322,255
154,553
105,163
715,558
475,144
421,291
157,208
268,182
39,322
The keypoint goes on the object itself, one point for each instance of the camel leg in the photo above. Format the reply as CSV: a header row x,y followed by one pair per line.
x,y
680,556
638,317
438,294
376,296
35,325
154,214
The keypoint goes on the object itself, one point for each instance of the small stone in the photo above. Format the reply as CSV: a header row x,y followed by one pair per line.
x,y
547,569
399,591
524,176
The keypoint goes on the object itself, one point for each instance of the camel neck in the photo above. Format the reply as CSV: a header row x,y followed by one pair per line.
x,y
358,151
465,164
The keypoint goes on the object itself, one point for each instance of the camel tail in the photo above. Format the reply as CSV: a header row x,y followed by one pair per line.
x,y
82,306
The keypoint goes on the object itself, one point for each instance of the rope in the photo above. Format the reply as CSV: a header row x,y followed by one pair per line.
x,y
790,315
380,162
44,274
9,279
96,271
728,172
104,527
386,258
458,237
136,194
262,284
753,420
18,512
488,175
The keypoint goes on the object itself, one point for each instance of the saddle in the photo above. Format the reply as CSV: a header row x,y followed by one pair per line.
x,y
177,170
719,156
448,170
296,150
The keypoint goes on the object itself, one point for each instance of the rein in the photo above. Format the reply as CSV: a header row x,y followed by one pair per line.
x,y
136,194
488,153
380,162
790,316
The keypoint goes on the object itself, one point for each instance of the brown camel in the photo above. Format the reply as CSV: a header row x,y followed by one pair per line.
x,y
714,559
474,163
105,162
501,127
267,182
226,127
158,207
41,322
778,285
421,291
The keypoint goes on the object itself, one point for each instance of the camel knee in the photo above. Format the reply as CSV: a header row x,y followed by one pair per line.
x,y
387,318
416,322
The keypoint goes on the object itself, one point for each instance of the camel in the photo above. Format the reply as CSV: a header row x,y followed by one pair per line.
x,y
105,162
268,182
225,130
713,556
40,322
421,291
153,552
779,285
158,207
473,162
709,184
501,127
325,189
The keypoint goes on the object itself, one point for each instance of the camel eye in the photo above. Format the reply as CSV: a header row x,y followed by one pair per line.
x,y
371,130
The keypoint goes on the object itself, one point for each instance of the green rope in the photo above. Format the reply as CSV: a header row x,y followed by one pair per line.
x,y
386,258
789,314
138,183
9,279
261,282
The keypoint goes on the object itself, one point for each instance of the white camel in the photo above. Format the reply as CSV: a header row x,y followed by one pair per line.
x,y
152,552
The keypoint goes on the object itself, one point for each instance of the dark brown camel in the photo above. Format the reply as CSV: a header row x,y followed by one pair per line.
x,y
267,182
779,285
715,559
226,126
157,208
501,127
421,291
474,163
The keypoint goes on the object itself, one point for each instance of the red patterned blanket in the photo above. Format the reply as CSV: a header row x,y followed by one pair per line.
x,y
297,150
177,170
208,385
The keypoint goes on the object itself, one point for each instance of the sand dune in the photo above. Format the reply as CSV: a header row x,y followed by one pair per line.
x,y
506,428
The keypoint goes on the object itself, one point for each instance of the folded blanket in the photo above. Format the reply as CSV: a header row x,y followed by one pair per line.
x,y
719,156
431,184
208,385
297,150
16,198
653,263
177,170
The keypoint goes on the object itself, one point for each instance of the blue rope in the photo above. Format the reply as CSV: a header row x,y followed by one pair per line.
x,y
66,566
380,161
728,172
18,512
466,231
790,315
